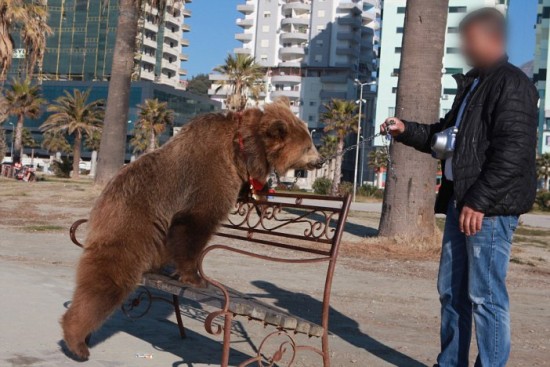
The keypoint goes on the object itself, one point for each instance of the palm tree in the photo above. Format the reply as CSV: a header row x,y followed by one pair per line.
x,y
154,117
30,18
340,119
543,169
73,115
409,193
55,143
27,141
113,140
378,159
244,79
24,101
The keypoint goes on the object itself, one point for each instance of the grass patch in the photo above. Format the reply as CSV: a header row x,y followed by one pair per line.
x,y
43,228
517,260
530,231
14,194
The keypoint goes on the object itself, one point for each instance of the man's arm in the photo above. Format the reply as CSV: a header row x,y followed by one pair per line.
x,y
416,135
512,137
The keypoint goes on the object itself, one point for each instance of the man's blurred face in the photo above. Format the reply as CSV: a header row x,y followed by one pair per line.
x,y
478,45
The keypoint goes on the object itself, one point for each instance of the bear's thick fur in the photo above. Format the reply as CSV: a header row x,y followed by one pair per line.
x,y
164,207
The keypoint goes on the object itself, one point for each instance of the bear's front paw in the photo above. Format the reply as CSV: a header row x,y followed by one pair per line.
x,y
193,279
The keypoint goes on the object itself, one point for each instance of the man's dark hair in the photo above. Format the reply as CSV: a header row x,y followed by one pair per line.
x,y
489,18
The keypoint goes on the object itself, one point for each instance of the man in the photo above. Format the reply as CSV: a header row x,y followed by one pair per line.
x,y
489,180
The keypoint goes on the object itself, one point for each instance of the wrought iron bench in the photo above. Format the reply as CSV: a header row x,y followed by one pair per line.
x,y
307,228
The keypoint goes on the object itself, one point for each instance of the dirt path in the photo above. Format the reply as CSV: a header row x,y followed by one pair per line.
x,y
385,307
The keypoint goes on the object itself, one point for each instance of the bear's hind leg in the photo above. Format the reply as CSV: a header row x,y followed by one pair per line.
x,y
187,237
95,298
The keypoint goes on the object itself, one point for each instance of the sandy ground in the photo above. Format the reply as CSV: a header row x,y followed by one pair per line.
x,y
384,309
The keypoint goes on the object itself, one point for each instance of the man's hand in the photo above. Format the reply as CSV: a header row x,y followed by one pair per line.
x,y
392,126
470,221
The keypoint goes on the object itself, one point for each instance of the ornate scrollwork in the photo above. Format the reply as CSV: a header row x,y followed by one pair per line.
x,y
273,217
287,348
137,306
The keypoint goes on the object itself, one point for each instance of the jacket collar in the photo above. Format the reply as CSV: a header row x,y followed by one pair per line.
x,y
464,80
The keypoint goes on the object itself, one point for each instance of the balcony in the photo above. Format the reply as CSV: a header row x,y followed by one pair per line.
x,y
368,17
353,37
186,13
218,77
242,50
167,65
296,21
293,51
348,51
184,42
334,79
298,6
170,18
150,43
294,36
291,94
182,71
186,27
349,6
286,79
218,92
173,52
243,37
146,75
351,21
148,59
290,64
245,8
245,23
172,35
184,57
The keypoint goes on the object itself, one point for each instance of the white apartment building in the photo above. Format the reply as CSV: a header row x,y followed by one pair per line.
x,y
541,64
312,50
162,42
390,57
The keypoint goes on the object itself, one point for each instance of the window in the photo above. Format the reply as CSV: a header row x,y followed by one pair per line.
x,y
395,72
321,13
449,91
319,43
318,58
264,43
457,9
310,118
453,71
398,50
320,28
399,29
267,14
312,103
265,29
453,50
401,10
263,58
394,90
546,12
452,30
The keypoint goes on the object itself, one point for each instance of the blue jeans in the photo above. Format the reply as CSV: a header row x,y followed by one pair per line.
x,y
472,283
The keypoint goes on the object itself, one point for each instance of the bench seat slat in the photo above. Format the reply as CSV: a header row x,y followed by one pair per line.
x,y
240,304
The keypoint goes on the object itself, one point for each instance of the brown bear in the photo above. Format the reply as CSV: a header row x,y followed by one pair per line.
x,y
164,207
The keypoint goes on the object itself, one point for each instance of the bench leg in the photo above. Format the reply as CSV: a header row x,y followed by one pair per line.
x,y
326,351
226,339
176,303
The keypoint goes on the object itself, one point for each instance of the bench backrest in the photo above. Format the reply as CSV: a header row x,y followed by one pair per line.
x,y
301,222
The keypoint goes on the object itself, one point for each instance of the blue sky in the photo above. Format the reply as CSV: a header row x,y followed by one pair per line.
x,y
213,31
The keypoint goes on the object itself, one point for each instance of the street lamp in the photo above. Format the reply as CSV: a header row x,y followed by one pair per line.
x,y
360,102
12,139
312,132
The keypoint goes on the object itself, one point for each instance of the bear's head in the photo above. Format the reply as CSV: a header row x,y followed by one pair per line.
x,y
286,138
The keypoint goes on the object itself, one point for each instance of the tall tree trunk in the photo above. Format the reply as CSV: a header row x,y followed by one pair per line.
x,y
410,193
337,168
152,141
113,140
76,155
18,144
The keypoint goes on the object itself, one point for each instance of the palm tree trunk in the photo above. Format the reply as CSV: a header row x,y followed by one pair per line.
x,y
76,155
152,141
113,140
410,193
18,144
337,168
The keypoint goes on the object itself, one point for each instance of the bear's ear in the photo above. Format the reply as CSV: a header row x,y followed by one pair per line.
x,y
283,101
277,129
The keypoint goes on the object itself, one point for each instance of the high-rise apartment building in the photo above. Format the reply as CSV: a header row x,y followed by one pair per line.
x,y
541,64
390,53
84,31
312,50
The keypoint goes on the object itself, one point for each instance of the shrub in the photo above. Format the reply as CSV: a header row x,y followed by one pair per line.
x,y
543,200
345,188
321,186
62,168
370,191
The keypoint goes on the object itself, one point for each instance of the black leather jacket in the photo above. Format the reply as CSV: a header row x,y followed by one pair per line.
x,y
494,167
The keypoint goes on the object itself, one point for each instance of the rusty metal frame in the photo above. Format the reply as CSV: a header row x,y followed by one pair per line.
x,y
267,209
